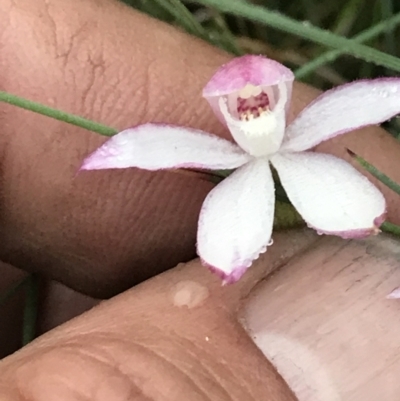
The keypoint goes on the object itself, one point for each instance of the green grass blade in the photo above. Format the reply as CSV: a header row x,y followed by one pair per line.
x,y
332,55
306,31
188,21
375,172
183,16
347,17
226,39
390,228
387,13
56,114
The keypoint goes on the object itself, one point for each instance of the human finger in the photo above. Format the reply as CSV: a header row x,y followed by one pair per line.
x,y
175,336
325,314
93,231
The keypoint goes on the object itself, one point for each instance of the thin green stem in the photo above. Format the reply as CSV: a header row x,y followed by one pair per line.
x,y
307,31
56,114
226,36
387,14
190,23
75,120
30,309
375,172
347,17
390,228
332,55
184,16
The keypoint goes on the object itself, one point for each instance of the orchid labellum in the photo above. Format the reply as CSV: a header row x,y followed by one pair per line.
x,y
251,96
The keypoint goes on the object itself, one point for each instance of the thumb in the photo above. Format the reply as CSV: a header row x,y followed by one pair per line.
x,y
174,337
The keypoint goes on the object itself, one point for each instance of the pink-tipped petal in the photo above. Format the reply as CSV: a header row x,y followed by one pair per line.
x,y
160,146
395,294
249,69
235,223
343,109
356,233
330,195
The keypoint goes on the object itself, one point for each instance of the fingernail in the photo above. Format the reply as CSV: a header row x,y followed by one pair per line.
x,y
324,321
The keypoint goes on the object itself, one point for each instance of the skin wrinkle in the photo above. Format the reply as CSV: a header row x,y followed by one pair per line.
x,y
54,35
98,65
79,346
154,333
88,97
231,370
386,276
204,366
203,351
335,252
181,370
118,366
74,350
158,356
231,326
345,267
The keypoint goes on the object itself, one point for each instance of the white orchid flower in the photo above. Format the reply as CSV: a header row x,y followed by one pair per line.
x,y
251,96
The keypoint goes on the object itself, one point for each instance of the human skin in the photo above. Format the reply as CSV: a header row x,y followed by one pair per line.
x,y
102,232
325,322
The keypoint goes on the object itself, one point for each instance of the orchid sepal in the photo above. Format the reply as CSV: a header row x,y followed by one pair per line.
x,y
330,194
342,109
356,233
164,146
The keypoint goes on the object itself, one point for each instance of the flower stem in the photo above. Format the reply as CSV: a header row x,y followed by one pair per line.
x,y
390,228
214,176
56,114
383,178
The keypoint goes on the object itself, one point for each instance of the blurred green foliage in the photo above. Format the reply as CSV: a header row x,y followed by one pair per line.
x,y
239,26
342,17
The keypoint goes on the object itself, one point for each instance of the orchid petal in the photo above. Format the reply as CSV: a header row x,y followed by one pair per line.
x,y
395,294
160,146
343,109
249,69
235,223
330,195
